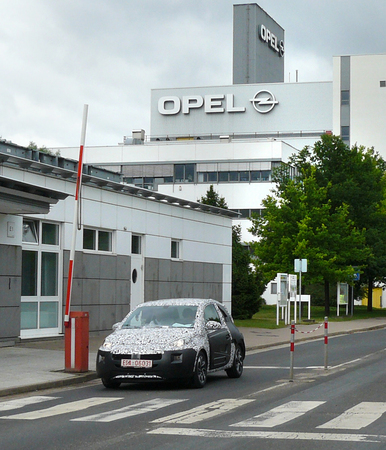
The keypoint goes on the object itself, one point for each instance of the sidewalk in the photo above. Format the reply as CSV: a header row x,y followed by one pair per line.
x,y
32,366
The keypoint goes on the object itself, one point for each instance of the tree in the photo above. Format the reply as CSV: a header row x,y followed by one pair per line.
x,y
213,198
247,284
356,178
299,222
246,288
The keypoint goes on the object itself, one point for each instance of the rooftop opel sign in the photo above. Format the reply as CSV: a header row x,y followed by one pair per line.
x,y
263,102
271,39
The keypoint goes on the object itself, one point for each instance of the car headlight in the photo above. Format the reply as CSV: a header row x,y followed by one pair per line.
x,y
179,343
106,346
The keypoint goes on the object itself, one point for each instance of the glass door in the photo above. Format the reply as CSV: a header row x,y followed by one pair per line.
x,y
41,284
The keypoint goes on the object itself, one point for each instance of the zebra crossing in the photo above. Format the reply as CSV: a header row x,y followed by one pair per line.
x,y
265,425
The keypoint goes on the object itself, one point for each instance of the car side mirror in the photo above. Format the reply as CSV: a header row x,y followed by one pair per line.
x,y
117,326
213,325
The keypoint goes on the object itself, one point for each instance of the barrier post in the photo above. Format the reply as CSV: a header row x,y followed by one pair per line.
x,y
326,343
292,349
77,342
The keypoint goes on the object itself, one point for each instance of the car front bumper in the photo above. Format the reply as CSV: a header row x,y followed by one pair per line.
x,y
170,365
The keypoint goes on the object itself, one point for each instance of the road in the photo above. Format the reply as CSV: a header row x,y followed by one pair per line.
x,y
342,408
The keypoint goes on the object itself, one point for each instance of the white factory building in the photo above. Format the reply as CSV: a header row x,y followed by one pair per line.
x,y
233,136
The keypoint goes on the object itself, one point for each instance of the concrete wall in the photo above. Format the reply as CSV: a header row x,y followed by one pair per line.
x,y
101,284
10,292
254,60
177,279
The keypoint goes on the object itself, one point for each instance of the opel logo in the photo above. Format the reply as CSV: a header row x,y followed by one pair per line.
x,y
264,102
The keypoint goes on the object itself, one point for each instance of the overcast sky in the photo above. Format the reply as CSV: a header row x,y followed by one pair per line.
x,y
57,55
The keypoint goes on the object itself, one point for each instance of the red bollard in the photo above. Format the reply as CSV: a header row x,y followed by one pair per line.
x,y
292,349
325,343
76,342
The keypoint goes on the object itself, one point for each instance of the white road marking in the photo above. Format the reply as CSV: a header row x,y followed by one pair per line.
x,y
204,412
283,368
20,402
294,436
64,408
128,411
358,417
277,416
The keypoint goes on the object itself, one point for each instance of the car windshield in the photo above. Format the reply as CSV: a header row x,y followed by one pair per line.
x,y
168,316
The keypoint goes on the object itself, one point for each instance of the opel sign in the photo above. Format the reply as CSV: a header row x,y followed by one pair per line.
x,y
263,102
271,39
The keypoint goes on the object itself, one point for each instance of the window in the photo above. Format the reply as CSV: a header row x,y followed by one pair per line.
x,y
382,83
50,234
31,231
136,244
256,175
89,239
175,249
345,97
223,176
345,133
211,313
265,174
247,213
184,173
244,176
49,279
29,272
104,241
97,240
233,176
273,288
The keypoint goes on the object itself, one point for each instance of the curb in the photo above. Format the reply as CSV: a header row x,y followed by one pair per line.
x,y
77,379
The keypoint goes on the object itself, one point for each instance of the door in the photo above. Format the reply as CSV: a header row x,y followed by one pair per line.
x,y
137,272
219,340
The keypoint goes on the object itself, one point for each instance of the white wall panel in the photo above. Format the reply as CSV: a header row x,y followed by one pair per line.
x,y
91,213
14,236
123,242
109,217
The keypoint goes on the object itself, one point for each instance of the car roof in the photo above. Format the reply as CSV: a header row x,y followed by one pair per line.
x,y
180,301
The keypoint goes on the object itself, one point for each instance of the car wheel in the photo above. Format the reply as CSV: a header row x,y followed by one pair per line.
x,y
200,372
110,384
238,364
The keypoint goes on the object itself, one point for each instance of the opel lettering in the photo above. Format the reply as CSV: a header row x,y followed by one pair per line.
x,y
212,104
272,40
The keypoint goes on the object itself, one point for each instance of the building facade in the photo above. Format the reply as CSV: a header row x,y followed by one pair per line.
x,y
133,245
233,136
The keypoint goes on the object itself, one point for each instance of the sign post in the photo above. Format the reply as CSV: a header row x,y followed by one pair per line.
x,y
300,266
282,294
293,281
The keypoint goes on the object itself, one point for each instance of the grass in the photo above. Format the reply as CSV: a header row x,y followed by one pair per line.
x,y
266,317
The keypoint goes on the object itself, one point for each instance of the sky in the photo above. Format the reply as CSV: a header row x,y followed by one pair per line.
x,y
58,55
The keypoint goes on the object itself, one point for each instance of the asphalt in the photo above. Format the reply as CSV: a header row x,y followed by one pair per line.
x,y
40,364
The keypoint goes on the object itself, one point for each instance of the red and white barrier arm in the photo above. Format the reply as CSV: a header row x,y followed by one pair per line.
x,y
75,221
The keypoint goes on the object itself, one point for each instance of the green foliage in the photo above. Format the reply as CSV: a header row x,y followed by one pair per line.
x,y
212,198
332,213
44,149
247,283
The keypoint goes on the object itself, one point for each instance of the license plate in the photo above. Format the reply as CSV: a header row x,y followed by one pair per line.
x,y
140,363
